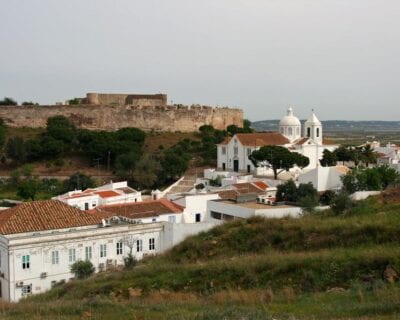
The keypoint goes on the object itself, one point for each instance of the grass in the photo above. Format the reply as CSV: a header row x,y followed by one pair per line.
x,y
250,269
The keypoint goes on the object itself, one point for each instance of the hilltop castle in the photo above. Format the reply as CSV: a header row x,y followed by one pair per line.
x,y
99,111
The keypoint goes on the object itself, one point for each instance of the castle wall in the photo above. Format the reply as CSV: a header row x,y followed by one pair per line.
x,y
106,117
145,100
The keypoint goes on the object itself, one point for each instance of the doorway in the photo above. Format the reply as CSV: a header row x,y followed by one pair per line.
x,y
236,165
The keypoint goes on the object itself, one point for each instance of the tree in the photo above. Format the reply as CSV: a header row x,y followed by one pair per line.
x,y
368,155
329,158
146,171
27,189
62,129
125,165
287,192
15,150
50,147
82,269
78,181
341,203
307,190
174,164
3,131
247,126
342,154
277,158
8,102
29,103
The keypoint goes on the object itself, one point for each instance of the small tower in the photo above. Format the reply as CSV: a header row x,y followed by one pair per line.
x,y
290,126
313,128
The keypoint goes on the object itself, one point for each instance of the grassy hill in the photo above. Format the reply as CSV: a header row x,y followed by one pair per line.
x,y
318,267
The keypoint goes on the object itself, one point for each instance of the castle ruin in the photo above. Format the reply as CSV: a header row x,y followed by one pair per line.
x,y
100,111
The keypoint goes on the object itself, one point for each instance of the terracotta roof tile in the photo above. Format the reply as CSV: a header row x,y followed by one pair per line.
x,y
259,139
139,210
262,139
44,215
107,193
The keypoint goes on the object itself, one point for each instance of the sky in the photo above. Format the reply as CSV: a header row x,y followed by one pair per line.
x,y
339,57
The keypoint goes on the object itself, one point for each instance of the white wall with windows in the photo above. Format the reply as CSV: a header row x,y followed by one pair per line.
x,y
235,152
33,262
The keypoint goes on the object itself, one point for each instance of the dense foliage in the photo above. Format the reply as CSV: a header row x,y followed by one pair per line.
x,y
369,179
365,155
82,269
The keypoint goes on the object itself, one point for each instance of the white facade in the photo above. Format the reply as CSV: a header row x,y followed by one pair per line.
x,y
195,206
324,178
112,193
228,210
33,262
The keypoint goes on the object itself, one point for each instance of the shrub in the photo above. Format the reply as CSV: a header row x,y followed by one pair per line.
x,y
82,269
130,261
341,203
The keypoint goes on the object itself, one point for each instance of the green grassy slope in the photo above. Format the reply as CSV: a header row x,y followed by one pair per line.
x,y
250,269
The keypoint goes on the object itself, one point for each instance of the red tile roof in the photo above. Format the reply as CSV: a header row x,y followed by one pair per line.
x,y
107,193
44,215
262,185
259,139
139,210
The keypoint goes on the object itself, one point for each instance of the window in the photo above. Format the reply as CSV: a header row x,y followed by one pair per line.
x,y
93,203
298,131
290,131
154,220
308,132
248,151
72,255
223,150
26,290
317,132
26,262
172,219
152,244
54,257
198,217
103,250
119,248
139,246
235,151
86,205
88,253
282,130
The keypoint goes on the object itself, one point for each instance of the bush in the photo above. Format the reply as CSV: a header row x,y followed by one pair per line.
x,y
130,261
82,269
341,203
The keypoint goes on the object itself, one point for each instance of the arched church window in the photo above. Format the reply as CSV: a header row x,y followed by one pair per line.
x,y
317,132
308,132
290,131
298,131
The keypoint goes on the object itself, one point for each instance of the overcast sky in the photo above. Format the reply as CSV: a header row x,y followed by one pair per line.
x,y
340,57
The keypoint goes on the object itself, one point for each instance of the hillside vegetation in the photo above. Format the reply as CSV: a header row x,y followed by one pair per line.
x,y
322,266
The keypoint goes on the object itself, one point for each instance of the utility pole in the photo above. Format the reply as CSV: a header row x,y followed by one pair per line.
x,y
108,160
97,161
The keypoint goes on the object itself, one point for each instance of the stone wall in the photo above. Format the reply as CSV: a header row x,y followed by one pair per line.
x,y
137,100
113,117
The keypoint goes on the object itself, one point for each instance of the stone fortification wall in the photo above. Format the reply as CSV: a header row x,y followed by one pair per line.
x,y
113,117
137,100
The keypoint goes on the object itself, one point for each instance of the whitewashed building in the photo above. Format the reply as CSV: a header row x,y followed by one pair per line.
x,y
325,178
112,193
233,153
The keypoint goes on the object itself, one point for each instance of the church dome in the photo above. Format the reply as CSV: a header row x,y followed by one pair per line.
x,y
313,120
289,119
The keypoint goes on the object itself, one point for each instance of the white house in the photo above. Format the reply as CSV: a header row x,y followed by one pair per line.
x,y
324,178
233,153
112,193
40,240
194,205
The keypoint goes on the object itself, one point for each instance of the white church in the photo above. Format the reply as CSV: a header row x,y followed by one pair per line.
x,y
233,152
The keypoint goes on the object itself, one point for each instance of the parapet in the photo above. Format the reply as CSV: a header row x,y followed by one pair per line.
x,y
138,100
